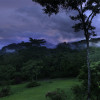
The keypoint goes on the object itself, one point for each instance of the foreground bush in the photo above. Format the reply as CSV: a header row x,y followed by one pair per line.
x,y
59,94
5,91
79,92
33,84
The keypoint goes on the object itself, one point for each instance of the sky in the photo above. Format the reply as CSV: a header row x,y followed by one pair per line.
x,y
21,19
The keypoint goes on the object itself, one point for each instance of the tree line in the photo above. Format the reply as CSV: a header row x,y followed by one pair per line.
x,y
37,62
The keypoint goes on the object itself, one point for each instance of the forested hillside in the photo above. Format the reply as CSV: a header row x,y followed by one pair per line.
x,y
33,62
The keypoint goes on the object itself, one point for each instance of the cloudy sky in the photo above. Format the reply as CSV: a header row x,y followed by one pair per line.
x,y
21,19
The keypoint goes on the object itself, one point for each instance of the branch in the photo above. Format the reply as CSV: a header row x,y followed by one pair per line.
x,y
79,14
89,17
82,18
81,7
91,20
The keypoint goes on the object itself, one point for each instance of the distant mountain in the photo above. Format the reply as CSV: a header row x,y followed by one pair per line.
x,y
94,42
11,48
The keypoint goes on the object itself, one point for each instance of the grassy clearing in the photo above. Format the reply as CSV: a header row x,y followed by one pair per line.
x,y
20,92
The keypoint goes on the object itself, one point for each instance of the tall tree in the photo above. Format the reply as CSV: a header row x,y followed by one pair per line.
x,y
84,21
37,42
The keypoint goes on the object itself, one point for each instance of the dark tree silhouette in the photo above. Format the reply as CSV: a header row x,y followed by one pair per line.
x,y
37,42
84,21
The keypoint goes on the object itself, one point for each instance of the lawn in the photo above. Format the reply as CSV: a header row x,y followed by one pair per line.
x,y
20,92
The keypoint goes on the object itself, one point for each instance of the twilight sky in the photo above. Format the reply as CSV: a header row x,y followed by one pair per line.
x,y
21,19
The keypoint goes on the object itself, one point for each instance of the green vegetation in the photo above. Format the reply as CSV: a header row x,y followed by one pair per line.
x,y
33,63
95,81
37,62
58,94
33,84
95,54
20,92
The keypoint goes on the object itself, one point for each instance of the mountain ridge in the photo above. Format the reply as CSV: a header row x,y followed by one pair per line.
x,y
11,48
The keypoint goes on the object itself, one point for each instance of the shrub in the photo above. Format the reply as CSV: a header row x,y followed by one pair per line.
x,y
59,94
33,84
79,92
5,91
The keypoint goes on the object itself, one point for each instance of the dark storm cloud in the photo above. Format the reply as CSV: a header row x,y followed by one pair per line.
x,y
22,19
60,23
14,3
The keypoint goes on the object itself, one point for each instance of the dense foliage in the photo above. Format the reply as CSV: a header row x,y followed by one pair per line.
x,y
59,94
32,84
79,91
39,62
5,91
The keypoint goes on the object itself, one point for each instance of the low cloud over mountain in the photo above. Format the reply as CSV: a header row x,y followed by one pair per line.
x,y
22,19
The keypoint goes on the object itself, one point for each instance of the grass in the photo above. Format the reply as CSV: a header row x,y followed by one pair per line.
x,y
20,92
